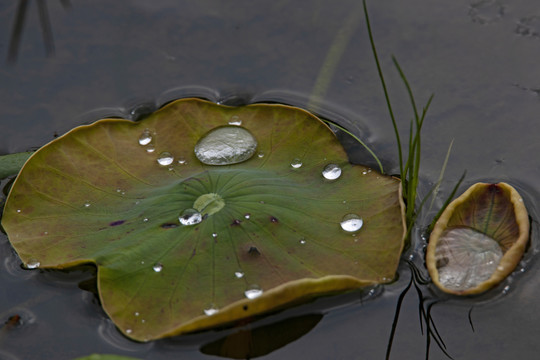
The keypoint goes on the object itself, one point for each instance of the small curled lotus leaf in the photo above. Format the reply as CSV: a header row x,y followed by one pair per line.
x,y
98,195
478,240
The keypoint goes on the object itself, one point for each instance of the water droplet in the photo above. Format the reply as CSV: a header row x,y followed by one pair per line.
x,y
239,274
211,310
302,241
260,154
466,258
150,148
506,289
235,120
182,160
165,158
253,292
157,267
214,235
190,217
331,172
247,216
129,331
145,219
32,264
226,145
146,137
137,314
18,210
364,172
87,204
296,163
351,223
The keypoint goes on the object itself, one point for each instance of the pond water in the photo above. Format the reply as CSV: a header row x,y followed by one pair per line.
x,y
480,58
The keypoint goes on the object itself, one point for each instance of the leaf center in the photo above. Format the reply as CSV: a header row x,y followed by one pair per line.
x,y
209,204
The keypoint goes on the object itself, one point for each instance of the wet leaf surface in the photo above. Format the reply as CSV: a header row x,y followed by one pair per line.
x,y
183,246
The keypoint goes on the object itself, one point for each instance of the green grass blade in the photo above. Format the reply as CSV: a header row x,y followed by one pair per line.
x,y
383,83
448,199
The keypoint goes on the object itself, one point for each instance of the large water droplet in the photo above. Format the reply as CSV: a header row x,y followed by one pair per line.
x,y
226,145
165,158
351,223
465,258
296,163
32,264
253,292
146,137
235,120
331,172
190,217
157,267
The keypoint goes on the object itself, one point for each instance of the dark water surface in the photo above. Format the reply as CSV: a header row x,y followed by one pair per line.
x,y
480,58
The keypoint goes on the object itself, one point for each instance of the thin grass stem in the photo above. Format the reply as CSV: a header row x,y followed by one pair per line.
x,y
359,141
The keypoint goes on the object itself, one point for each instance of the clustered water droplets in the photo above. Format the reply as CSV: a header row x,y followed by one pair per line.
x,y
296,163
331,172
190,217
165,158
351,223
254,291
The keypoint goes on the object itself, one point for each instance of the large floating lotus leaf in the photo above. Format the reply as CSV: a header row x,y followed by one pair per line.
x,y
478,240
97,195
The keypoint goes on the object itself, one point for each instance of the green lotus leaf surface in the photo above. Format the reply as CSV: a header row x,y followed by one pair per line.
x,y
261,234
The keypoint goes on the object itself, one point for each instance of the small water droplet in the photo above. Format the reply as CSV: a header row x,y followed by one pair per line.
x,y
45,233
247,216
239,274
150,148
190,217
214,235
137,313
351,223
129,331
18,210
165,158
253,292
302,241
145,219
211,310
157,267
331,172
226,145
260,155
182,160
506,289
87,204
296,163
364,172
146,137
32,264
235,120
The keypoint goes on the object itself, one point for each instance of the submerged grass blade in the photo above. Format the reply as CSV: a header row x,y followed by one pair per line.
x,y
11,164
359,141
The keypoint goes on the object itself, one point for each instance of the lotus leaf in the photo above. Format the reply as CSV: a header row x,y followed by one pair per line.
x,y
478,240
259,235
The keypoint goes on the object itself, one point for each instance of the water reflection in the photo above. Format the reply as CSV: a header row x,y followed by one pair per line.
x,y
248,342
45,24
